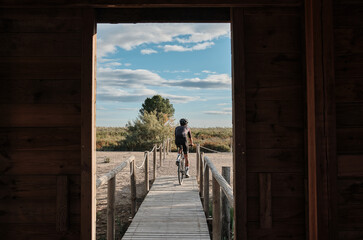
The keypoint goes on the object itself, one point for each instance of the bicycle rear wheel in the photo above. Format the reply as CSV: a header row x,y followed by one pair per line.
x,y
181,169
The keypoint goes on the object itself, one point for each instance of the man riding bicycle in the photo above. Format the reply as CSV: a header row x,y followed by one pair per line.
x,y
183,132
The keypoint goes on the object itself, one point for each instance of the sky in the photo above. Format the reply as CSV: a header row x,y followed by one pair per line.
x,y
188,63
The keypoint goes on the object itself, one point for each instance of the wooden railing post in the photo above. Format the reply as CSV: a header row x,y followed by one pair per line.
x,y
111,208
216,209
201,176
147,186
154,160
167,146
133,188
206,190
197,161
161,153
226,218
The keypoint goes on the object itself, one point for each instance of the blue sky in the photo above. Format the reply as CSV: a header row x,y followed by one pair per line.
x,y
188,63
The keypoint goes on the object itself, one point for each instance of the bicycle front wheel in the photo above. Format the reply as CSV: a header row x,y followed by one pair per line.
x,y
181,171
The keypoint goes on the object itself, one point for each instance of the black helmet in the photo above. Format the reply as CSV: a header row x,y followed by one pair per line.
x,y
183,121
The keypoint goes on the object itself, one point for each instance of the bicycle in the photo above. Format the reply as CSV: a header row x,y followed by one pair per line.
x,y
181,165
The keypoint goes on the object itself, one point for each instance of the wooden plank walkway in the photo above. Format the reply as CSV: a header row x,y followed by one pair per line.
x,y
170,211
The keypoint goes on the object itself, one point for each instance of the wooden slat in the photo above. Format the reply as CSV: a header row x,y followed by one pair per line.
x,y
280,140
88,96
239,123
40,162
284,210
350,165
265,200
40,68
349,89
280,113
40,44
216,209
170,211
279,93
284,65
62,214
348,65
40,20
350,191
111,213
30,211
279,231
123,15
39,139
350,216
40,115
282,184
348,40
350,140
273,39
41,91
354,19
40,231
155,3
349,115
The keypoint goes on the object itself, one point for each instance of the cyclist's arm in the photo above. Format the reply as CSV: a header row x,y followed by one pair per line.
x,y
190,137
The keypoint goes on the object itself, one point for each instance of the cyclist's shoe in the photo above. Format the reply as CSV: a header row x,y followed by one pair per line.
x,y
187,172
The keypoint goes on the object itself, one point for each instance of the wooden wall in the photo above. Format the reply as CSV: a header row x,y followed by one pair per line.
x,y
273,75
40,123
348,60
46,119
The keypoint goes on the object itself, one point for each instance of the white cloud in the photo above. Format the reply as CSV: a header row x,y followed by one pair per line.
x,y
137,95
179,48
180,99
129,36
112,64
217,81
223,104
127,64
118,95
176,71
218,112
148,51
207,71
139,78
128,77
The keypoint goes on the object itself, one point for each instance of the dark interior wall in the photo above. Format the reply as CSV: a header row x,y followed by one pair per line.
x,y
274,123
348,46
269,108
40,123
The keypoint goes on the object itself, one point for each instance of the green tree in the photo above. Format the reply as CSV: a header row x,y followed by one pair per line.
x,y
162,106
145,131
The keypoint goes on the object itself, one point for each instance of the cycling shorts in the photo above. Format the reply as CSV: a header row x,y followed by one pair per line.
x,y
183,144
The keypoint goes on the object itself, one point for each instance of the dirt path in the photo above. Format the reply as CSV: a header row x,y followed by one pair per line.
x,y
123,203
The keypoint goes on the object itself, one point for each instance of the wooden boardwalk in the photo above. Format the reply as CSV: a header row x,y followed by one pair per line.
x,y
170,211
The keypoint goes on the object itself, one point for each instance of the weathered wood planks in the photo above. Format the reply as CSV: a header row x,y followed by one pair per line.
x,y
170,211
348,49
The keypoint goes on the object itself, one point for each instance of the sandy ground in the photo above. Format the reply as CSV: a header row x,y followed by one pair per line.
x,y
123,203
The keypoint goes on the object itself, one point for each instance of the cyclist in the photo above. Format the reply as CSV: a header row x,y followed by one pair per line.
x,y
183,132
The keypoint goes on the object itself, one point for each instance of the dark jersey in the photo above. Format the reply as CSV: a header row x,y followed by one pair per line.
x,y
181,134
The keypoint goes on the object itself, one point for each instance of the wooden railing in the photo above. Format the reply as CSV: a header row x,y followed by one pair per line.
x,y
221,203
110,179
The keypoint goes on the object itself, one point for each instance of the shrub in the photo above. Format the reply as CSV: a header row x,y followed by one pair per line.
x,y
145,131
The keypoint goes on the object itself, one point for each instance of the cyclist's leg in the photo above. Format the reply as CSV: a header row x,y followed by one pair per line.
x,y
185,150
